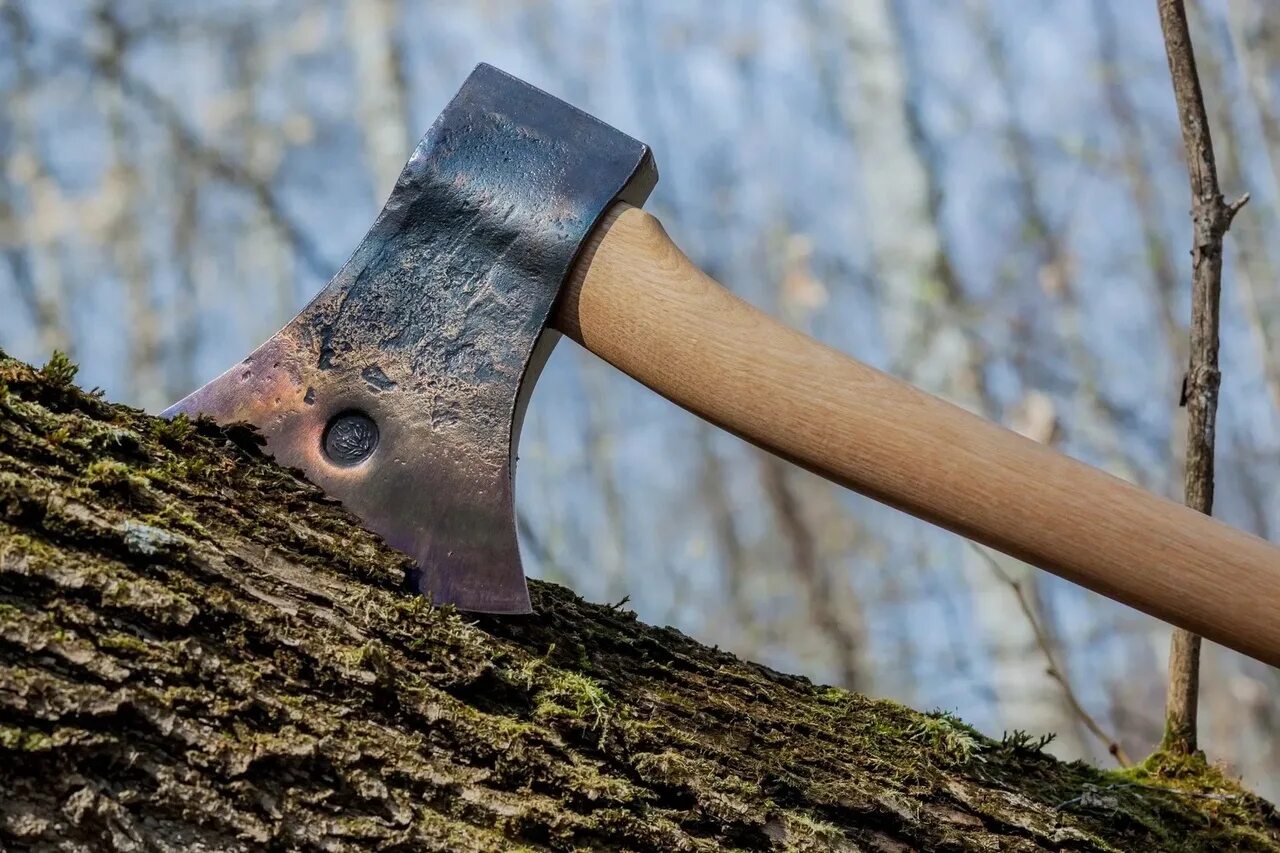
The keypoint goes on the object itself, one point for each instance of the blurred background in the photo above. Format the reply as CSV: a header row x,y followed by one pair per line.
x,y
987,198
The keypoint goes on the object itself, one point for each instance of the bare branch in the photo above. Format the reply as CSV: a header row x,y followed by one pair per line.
x,y
1055,670
841,628
1211,217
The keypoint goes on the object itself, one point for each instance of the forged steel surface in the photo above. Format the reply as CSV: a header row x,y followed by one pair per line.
x,y
400,388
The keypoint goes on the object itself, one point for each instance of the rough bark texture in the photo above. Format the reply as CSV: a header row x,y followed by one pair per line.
x,y
199,652
1211,217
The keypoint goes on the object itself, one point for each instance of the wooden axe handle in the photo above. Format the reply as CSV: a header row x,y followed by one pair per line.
x,y
635,300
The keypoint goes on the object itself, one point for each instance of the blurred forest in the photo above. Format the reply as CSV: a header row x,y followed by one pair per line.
x,y
985,197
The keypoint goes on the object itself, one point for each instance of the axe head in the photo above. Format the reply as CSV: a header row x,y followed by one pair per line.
x,y
400,388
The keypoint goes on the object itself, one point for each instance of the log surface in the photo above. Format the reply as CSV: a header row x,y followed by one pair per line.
x,y
198,651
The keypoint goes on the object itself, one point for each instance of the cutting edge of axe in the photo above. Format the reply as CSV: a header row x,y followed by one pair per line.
x,y
400,388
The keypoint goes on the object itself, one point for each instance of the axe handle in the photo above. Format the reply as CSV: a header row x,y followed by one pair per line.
x,y
635,300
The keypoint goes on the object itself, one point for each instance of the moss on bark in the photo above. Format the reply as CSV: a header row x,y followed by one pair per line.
x,y
199,651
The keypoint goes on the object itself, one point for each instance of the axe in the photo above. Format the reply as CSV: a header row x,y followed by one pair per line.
x,y
400,388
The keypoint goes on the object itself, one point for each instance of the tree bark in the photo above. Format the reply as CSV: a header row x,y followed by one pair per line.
x,y
1211,217
198,651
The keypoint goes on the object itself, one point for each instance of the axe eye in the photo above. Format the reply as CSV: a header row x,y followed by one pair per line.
x,y
350,438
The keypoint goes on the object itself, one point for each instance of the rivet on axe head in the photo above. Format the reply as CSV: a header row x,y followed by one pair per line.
x,y
401,387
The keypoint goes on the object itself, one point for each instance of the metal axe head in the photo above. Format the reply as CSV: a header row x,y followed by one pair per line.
x,y
400,388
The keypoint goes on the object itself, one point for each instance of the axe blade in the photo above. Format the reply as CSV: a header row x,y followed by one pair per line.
x,y
400,388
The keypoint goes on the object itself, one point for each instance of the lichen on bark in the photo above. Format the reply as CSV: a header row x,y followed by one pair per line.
x,y
198,651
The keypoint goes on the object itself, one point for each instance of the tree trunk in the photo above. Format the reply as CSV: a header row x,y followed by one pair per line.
x,y
199,652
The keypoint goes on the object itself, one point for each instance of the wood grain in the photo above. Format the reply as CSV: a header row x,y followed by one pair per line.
x,y
638,302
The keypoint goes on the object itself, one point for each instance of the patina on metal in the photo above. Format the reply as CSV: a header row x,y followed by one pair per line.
x,y
401,387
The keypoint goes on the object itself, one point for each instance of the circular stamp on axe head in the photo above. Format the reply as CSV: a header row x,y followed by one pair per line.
x,y
350,438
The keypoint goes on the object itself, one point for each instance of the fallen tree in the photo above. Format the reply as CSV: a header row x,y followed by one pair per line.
x,y
198,651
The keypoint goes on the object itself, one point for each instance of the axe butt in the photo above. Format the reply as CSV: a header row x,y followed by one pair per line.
x,y
637,301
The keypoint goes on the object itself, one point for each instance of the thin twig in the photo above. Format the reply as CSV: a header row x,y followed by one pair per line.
x,y
1211,217
840,626
1055,671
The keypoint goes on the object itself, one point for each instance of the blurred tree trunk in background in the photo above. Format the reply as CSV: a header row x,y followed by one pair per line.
x,y
927,310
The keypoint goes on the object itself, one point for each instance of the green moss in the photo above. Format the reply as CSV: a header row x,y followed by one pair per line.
x,y
375,657
59,371
954,741
24,740
581,695
183,469
807,833
172,431
831,695
112,474
59,436
120,642
109,440
561,692
175,516
14,545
